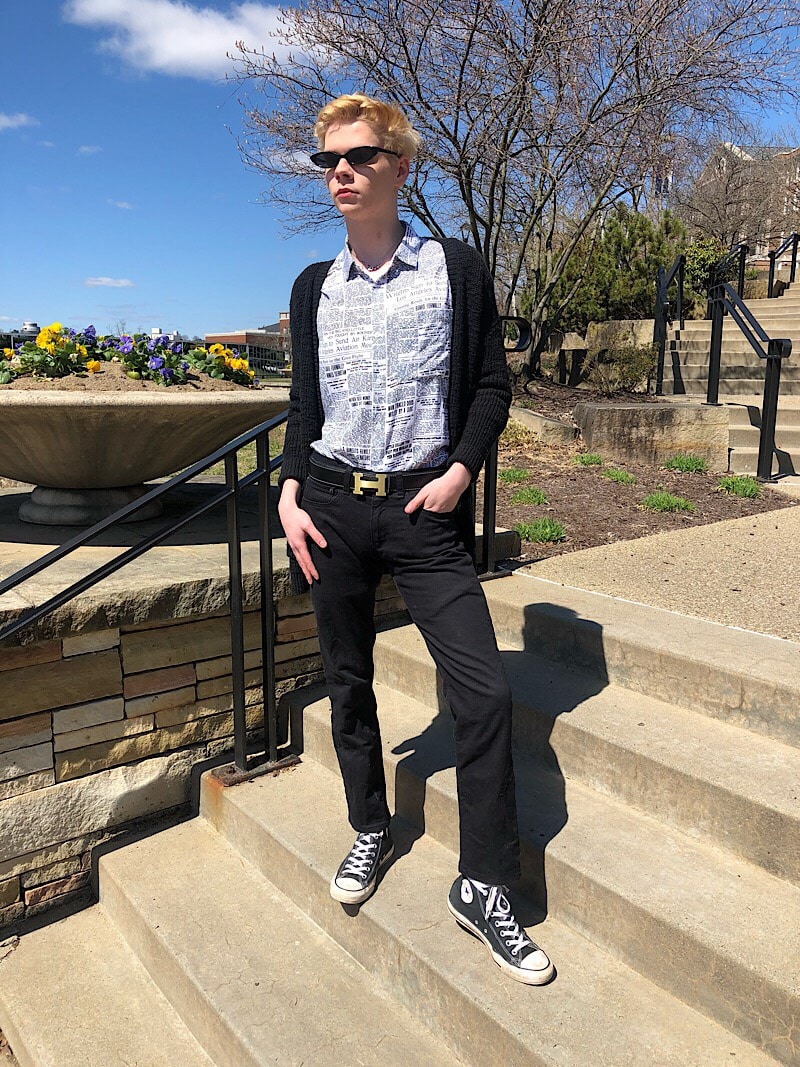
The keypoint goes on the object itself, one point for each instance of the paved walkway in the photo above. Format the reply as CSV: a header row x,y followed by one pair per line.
x,y
743,572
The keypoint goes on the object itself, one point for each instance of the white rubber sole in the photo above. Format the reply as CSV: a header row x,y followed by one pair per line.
x,y
358,896
517,973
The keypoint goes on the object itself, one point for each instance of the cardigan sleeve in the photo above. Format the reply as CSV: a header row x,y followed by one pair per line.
x,y
488,407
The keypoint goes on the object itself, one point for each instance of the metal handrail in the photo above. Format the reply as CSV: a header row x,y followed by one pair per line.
x,y
793,239
716,273
725,298
664,279
231,496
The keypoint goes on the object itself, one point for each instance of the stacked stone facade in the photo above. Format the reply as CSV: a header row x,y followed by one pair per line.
x,y
100,730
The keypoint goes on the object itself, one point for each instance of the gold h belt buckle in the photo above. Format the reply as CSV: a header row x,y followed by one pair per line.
x,y
362,481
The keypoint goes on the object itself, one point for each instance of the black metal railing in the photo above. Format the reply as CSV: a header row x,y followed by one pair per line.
x,y
791,242
725,298
230,494
732,265
663,316
487,560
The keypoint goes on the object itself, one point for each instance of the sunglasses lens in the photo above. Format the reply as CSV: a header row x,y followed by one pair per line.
x,y
325,159
356,156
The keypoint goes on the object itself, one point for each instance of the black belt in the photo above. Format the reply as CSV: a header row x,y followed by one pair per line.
x,y
358,482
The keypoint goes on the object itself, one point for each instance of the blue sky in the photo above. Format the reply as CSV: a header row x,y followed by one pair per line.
x,y
123,197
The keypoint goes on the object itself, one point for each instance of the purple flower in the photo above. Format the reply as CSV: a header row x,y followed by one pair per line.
x,y
167,373
235,351
125,344
156,363
184,366
176,348
90,332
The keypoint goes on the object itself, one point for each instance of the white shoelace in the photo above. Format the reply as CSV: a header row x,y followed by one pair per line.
x,y
362,855
497,911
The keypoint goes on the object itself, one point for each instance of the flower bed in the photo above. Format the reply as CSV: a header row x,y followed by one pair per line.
x,y
62,353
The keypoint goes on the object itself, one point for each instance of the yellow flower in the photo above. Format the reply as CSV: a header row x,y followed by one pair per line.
x,y
8,353
82,350
54,327
216,349
93,365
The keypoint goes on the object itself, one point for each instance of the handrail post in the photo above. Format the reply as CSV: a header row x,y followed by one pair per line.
x,y
488,547
771,282
267,601
660,327
793,271
681,276
715,349
237,614
769,417
743,250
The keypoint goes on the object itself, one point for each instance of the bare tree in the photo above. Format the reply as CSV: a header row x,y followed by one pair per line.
x,y
536,115
735,193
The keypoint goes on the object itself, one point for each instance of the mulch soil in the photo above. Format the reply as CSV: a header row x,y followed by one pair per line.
x,y
593,509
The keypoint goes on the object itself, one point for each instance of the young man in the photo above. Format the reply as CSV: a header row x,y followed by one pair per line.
x,y
399,389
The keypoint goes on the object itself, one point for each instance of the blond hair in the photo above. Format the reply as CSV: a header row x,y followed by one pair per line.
x,y
387,120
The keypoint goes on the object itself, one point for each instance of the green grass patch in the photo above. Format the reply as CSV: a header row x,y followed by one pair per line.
x,y
542,531
512,475
246,457
589,459
740,485
687,463
663,501
529,495
620,476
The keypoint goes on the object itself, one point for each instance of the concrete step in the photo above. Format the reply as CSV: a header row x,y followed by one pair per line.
x,y
72,994
716,782
744,460
591,863
732,370
697,386
746,679
786,437
253,978
749,413
597,1011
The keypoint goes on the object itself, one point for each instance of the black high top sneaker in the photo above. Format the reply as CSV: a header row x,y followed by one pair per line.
x,y
485,911
357,876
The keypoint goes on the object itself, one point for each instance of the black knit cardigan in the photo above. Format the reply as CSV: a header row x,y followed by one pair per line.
x,y
479,391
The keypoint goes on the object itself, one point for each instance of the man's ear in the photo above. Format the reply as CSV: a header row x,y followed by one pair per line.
x,y
403,170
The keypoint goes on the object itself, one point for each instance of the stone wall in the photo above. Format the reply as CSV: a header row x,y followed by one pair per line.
x,y
101,729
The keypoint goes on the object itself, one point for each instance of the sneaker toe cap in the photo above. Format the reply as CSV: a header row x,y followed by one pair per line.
x,y
351,885
535,961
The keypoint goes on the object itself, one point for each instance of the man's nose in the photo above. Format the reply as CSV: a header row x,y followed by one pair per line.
x,y
343,168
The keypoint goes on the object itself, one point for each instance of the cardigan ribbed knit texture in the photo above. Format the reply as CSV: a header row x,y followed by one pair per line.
x,y
479,390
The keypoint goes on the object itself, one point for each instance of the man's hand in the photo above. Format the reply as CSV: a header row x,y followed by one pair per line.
x,y
441,494
298,527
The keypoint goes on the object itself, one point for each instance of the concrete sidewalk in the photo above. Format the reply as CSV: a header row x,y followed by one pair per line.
x,y
743,572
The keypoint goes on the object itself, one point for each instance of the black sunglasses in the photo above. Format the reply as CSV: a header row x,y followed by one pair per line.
x,y
354,157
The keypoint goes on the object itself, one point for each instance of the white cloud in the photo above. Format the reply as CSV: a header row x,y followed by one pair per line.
x,y
47,144
89,149
14,122
176,37
111,283
122,204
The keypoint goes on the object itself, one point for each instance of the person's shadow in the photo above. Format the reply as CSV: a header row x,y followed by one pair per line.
x,y
544,689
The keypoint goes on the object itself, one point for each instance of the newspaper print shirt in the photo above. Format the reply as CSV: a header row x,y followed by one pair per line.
x,y
384,359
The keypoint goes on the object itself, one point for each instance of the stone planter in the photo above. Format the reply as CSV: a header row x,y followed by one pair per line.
x,y
88,454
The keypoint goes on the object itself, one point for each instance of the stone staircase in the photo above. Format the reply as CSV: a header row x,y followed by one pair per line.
x,y
745,428
657,769
741,370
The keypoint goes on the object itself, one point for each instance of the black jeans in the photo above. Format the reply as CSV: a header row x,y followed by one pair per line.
x,y
367,537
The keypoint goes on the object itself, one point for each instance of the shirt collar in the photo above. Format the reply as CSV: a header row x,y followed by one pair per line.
x,y
407,252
